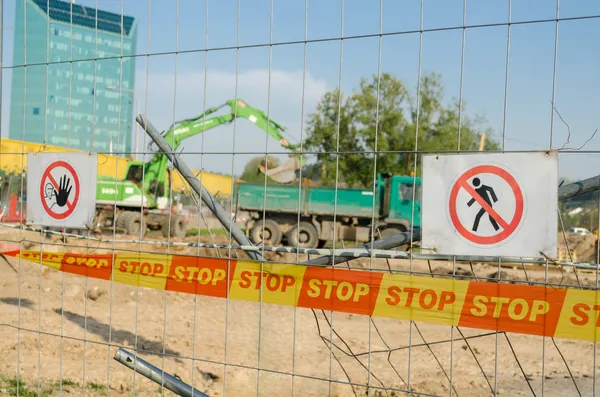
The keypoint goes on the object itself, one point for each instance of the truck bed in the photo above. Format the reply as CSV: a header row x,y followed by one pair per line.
x,y
314,200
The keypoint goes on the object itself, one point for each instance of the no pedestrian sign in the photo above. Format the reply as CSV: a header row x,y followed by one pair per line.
x,y
61,189
497,204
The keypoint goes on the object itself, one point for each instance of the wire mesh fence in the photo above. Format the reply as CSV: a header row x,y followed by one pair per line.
x,y
254,259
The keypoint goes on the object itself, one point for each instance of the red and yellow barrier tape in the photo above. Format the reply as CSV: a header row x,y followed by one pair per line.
x,y
537,310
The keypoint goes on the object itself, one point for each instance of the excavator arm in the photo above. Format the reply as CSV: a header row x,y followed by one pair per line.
x,y
156,171
197,125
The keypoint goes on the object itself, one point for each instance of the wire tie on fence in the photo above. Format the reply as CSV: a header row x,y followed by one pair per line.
x,y
105,156
420,249
553,261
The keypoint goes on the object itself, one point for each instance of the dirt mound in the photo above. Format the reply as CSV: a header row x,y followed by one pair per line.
x,y
582,248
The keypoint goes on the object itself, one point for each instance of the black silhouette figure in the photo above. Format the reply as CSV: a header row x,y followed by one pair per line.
x,y
64,190
483,191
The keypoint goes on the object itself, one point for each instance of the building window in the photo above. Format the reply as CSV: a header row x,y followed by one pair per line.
x,y
36,111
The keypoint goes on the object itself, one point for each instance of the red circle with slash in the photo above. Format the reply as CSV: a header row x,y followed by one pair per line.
x,y
48,178
507,228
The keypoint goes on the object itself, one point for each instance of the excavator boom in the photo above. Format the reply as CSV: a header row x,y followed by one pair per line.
x,y
156,170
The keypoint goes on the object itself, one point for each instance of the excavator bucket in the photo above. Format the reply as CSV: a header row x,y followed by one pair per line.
x,y
284,173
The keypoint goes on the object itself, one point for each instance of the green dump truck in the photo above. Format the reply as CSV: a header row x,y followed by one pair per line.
x,y
353,209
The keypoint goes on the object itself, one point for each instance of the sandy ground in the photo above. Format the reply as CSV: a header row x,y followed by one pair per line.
x,y
283,342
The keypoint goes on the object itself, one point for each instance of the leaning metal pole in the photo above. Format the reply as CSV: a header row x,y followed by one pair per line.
x,y
189,176
156,374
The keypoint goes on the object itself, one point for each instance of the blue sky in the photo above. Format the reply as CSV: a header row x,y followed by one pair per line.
x,y
167,26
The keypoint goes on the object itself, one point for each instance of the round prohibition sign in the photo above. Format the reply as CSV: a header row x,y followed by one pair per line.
x,y
507,228
48,178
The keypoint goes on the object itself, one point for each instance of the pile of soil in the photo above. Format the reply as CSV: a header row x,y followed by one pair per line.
x,y
585,248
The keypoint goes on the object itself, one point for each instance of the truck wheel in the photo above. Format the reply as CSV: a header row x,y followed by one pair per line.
x,y
132,222
177,228
307,233
271,236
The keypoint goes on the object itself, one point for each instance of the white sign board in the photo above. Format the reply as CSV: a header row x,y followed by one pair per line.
x,y
61,189
496,204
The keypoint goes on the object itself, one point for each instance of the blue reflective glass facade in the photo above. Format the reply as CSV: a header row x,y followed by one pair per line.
x,y
86,104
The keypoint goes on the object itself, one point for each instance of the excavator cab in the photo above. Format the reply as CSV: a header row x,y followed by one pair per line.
x,y
135,173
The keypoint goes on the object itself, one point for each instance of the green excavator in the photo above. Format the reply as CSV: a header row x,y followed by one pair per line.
x,y
141,200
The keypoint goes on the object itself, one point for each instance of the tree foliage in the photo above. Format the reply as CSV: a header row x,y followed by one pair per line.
x,y
395,111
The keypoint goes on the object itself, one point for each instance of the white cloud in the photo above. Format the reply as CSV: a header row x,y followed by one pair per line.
x,y
283,101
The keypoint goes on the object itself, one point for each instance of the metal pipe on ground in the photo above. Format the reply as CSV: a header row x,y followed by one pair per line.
x,y
384,243
155,374
204,194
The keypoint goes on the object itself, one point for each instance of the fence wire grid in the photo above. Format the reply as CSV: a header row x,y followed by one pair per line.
x,y
263,101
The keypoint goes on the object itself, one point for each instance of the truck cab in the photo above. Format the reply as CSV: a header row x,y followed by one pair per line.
x,y
398,194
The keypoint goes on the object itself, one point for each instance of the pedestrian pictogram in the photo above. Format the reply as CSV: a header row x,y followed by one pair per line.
x,y
62,189
490,204
485,198
488,195
60,199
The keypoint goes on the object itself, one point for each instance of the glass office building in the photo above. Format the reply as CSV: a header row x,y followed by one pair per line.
x,y
86,104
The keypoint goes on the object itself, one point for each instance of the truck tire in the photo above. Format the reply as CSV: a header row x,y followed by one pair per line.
x,y
272,233
309,237
132,222
176,226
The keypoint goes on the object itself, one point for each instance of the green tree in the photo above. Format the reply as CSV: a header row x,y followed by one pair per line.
x,y
398,120
252,172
